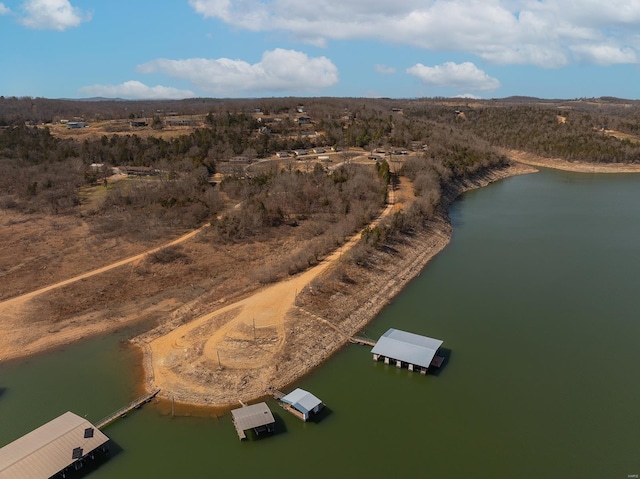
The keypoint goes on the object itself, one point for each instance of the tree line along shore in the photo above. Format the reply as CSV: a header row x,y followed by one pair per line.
x,y
136,184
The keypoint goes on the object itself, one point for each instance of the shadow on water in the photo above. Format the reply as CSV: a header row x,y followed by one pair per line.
x,y
279,428
91,464
324,413
2,391
446,354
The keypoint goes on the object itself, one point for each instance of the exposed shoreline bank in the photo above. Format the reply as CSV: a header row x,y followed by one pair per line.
x,y
573,166
311,338
380,292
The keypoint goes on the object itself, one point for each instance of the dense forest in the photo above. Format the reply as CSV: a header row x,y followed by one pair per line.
x,y
41,172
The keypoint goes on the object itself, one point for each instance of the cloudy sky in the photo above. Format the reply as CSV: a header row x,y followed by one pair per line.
x,y
357,48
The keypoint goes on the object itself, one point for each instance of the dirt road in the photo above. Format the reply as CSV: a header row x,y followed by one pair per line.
x,y
18,338
243,336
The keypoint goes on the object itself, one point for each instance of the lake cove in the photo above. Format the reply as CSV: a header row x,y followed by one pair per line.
x,y
535,297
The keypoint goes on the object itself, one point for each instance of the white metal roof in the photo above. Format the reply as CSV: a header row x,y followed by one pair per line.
x,y
50,448
407,347
302,400
256,415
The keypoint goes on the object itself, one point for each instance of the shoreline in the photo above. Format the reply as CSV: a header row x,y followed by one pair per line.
x,y
215,395
381,294
532,159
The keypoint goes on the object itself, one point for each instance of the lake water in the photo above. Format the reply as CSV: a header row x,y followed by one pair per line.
x,y
536,297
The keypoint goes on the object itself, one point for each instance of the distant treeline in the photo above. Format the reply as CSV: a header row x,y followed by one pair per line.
x,y
453,139
552,132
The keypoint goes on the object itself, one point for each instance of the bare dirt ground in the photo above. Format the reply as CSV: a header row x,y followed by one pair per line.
x,y
276,335
205,349
576,166
248,334
20,336
623,136
96,130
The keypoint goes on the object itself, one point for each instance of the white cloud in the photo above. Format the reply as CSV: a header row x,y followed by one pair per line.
x,y
469,96
384,69
462,76
547,33
4,10
605,54
135,90
278,71
51,15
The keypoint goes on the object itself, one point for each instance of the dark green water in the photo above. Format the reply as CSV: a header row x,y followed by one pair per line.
x,y
537,299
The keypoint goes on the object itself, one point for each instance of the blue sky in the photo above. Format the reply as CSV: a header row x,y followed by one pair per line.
x,y
143,49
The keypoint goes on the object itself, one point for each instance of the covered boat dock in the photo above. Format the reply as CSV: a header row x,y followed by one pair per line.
x,y
53,448
303,402
403,348
257,417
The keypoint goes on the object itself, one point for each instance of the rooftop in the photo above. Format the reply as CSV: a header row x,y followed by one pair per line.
x,y
249,417
47,450
302,400
407,347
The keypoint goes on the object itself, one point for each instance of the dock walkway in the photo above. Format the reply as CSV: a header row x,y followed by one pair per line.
x,y
362,340
276,394
124,410
241,433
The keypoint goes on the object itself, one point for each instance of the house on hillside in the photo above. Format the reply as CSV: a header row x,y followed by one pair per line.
x,y
179,122
77,124
139,170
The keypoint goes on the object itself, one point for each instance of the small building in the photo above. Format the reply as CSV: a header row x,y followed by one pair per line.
x,y
77,124
408,349
304,402
300,152
282,154
138,123
240,159
303,120
139,170
55,447
179,122
257,417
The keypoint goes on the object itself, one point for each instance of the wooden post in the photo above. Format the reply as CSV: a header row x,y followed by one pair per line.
x,y
254,330
173,409
218,352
